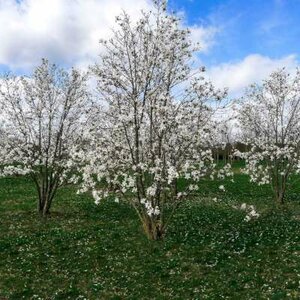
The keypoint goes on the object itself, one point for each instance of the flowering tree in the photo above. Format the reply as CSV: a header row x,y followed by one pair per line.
x,y
156,130
43,117
225,137
270,122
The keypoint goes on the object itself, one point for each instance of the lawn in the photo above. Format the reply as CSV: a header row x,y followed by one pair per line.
x,y
85,251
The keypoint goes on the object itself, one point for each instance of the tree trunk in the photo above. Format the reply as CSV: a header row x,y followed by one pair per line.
x,y
280,198
153,229
44,205
279,194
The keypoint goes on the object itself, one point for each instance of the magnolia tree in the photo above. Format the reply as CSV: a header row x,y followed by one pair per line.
x,y
270,122
225,136
152,143
43,117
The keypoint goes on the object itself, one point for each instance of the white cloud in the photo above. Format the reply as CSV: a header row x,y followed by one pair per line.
x,y
253,68
204,35
65,31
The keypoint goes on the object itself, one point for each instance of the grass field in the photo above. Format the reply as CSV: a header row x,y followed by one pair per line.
x,y
88,252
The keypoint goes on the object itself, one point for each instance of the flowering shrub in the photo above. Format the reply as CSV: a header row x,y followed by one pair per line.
x,y
44,116
156,129
270,120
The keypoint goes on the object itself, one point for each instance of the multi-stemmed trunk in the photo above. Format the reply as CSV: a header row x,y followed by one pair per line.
x,y
279,192
153,228
279,187
44,204
46,192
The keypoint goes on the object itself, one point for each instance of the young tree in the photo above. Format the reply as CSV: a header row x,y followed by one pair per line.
x,y
225,138
157,126
270,122
43,118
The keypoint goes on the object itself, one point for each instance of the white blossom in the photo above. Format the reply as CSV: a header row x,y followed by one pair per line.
x,y
269,116
43,118
222,188
157,124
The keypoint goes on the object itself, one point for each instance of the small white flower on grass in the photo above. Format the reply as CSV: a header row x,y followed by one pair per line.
x,y
193,187
250,211
222,188
179,195
117,200
253,214
247,218
243,206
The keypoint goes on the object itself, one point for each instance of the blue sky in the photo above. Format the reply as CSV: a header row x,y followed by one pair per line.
x,y
267,27
243,40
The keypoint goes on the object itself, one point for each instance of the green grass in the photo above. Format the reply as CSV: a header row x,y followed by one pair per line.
x,y
89,252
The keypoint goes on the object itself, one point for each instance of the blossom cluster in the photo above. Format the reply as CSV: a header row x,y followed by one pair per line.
x,y
269,117
42,118
156,127
251,212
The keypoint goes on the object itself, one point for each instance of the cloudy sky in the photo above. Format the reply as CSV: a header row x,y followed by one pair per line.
x,y
242,41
